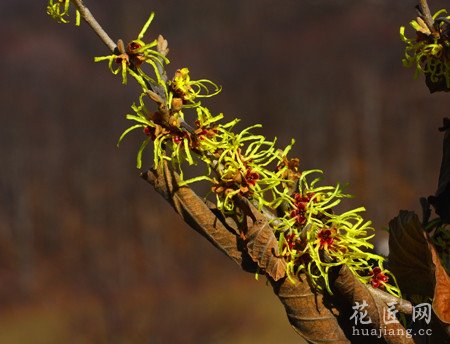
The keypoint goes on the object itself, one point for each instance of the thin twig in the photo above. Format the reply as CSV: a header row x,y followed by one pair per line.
x,y
93,23
163,49
427,17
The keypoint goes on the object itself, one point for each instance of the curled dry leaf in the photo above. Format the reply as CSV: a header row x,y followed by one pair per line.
x,y
261,243
441,300
197,214
307,312
352,290
263,248
409,257
402,305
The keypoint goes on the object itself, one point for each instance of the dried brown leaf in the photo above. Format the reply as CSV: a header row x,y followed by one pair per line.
x,y
402,305
354,291
262,246
307,312
409,256
197,214
441,299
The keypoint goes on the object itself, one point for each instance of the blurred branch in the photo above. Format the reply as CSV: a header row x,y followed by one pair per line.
x,y
93,23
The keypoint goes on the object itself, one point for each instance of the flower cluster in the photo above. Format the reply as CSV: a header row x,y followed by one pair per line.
x,y
130,60
429,51
59,10
300,206
312,237
188,90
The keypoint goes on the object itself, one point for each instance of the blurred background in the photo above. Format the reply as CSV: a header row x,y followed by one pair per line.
x,y
89,253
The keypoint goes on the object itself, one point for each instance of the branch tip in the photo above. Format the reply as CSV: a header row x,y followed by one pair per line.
x,y
93,23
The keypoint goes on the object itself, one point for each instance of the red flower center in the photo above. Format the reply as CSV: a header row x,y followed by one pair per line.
x,y
326,238
177,139
378,277
134,46
251,177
